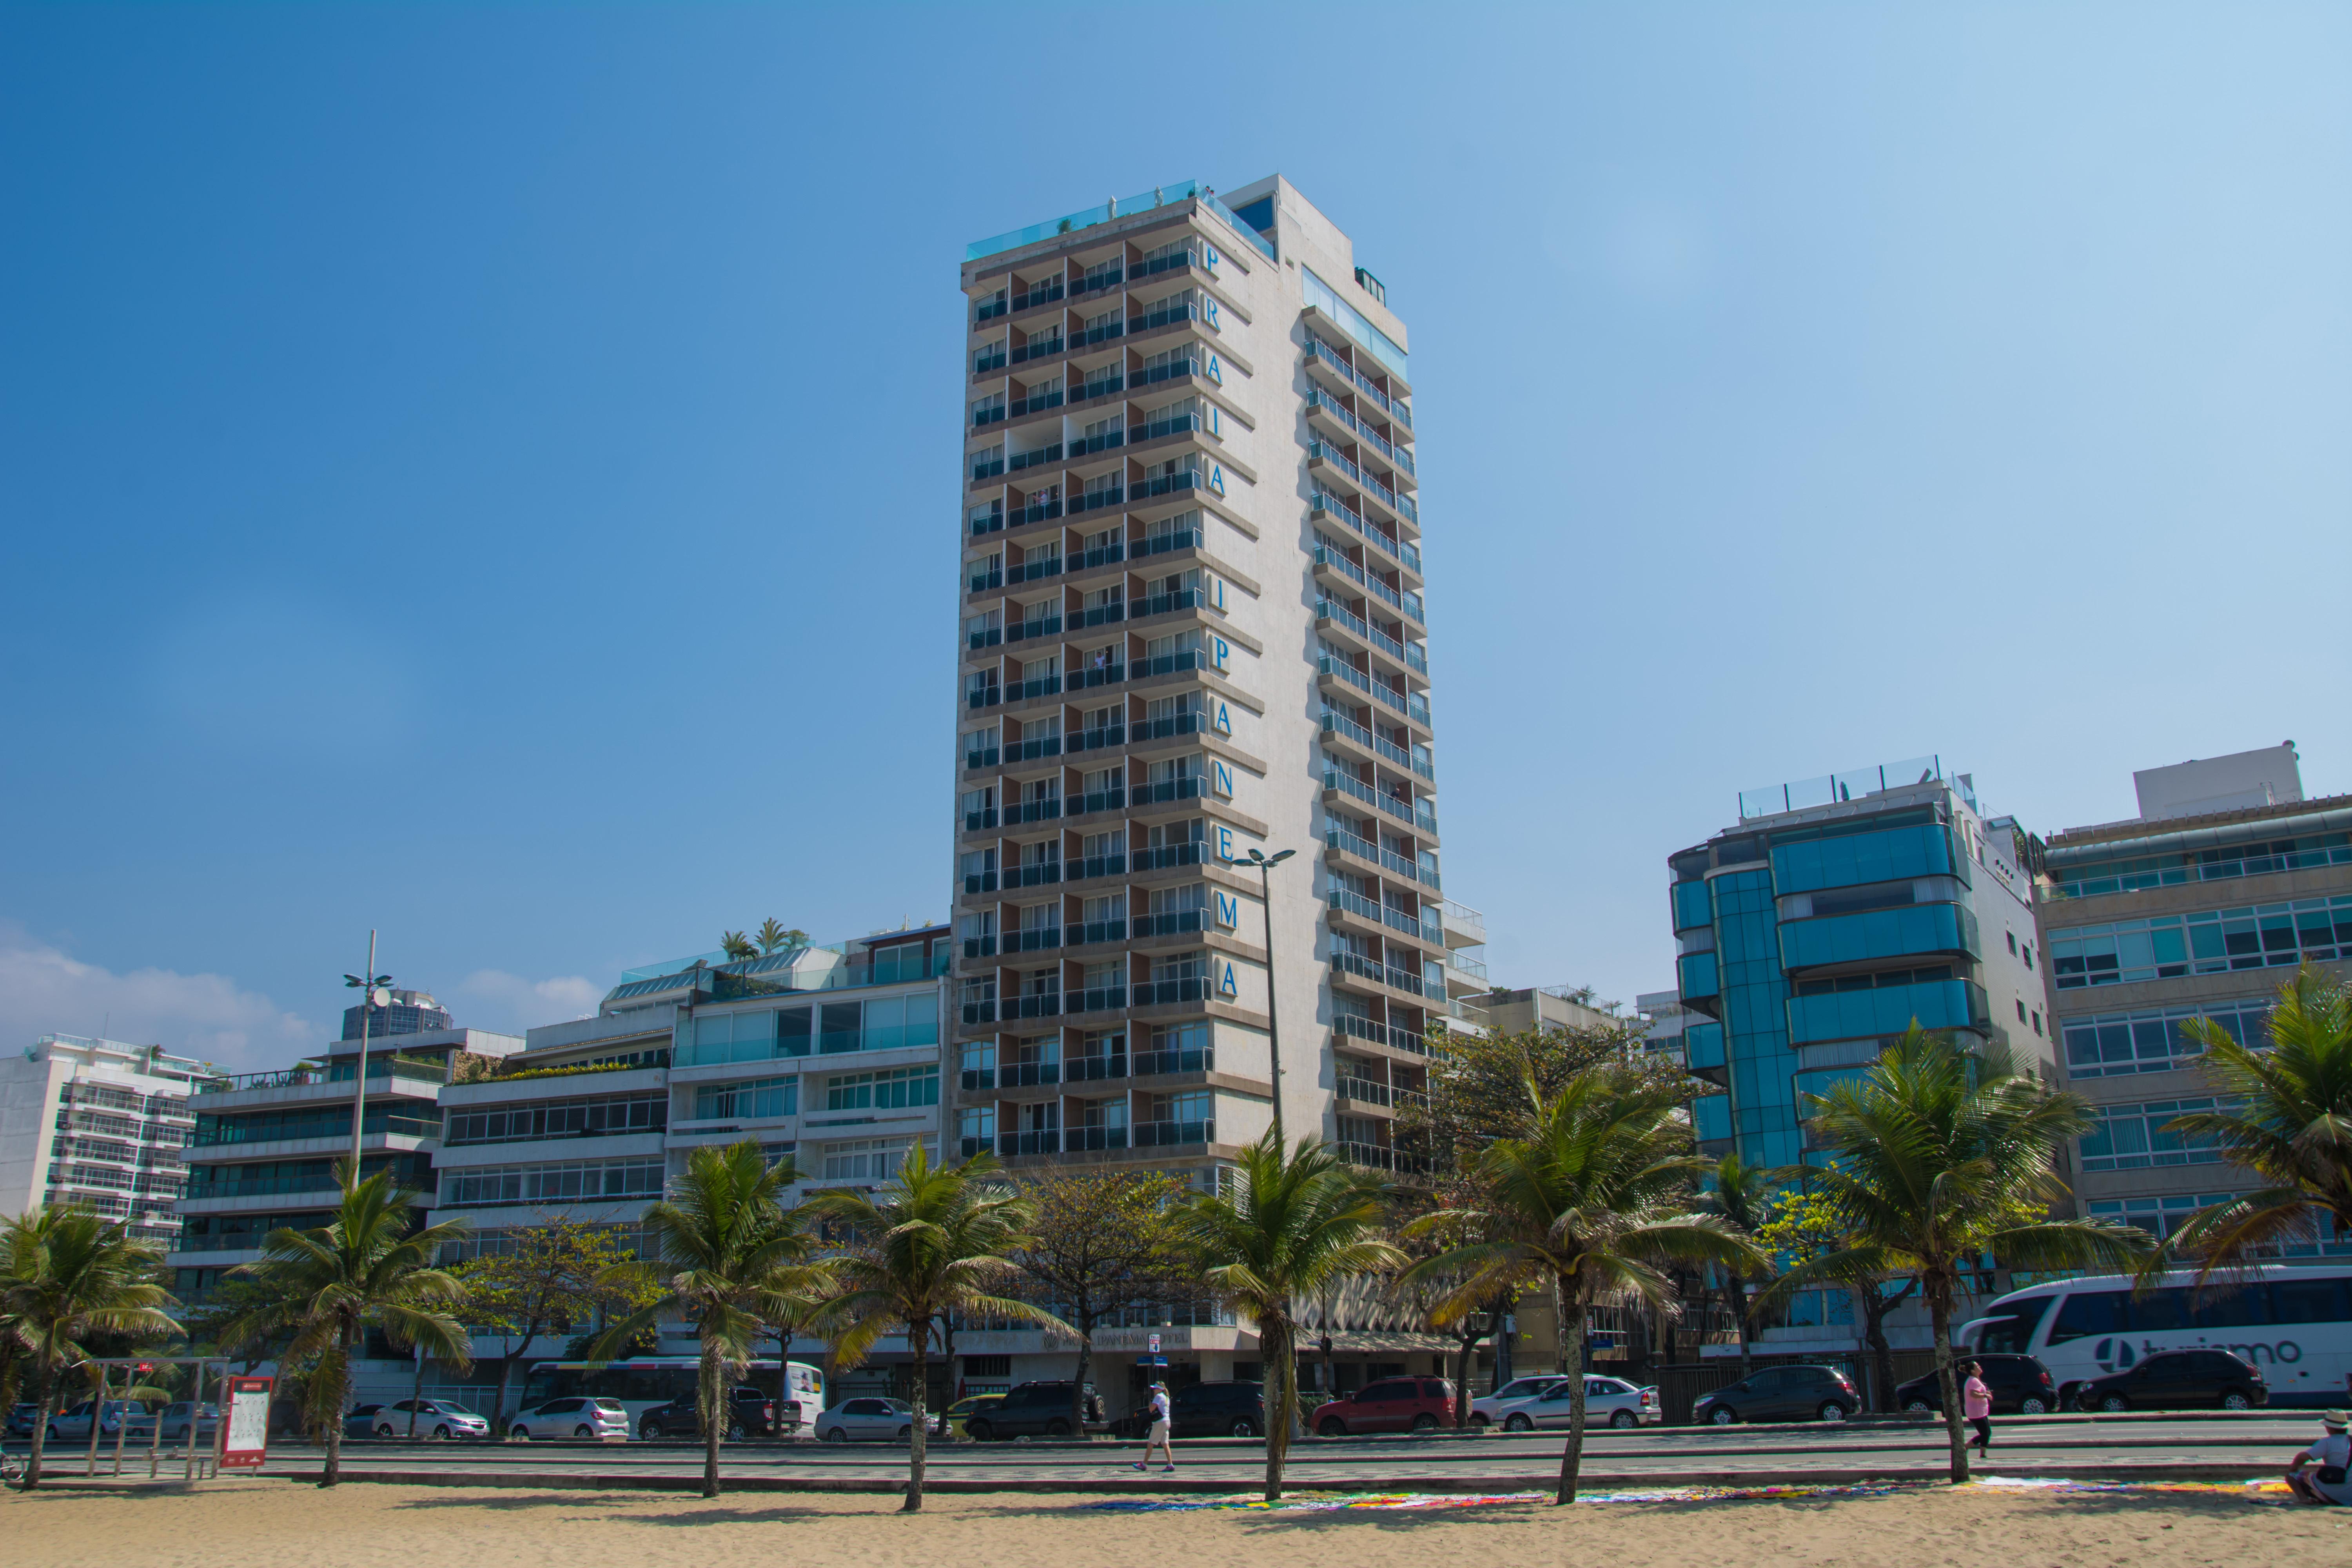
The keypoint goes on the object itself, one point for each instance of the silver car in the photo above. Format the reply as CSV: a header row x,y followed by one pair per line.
x,y
576,1418
1483,1411
855,1419
1608,1401
173,1420
73,1425
435,1419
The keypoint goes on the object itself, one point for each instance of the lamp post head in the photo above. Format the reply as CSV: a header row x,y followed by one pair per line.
x,y
1261,858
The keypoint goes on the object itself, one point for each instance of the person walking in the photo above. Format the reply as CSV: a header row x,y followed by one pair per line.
x,y
1976,1404
1162,1433
2329,1458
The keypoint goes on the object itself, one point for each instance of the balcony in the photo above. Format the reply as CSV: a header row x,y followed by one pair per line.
x,y
1028,1075
1099,999
1176,923
1920,929
1386,750
1034,513
1109,275
1320,355
1095,1070
1324,505
1371,637
1092,865
1042,939
1090,1140
1088,933
1029,631
1166,603
1888,1010
1100,386
1109,615
1181,483
1037,349
1323,404
1038,1004
1039,458
1174,370
1044,293
1167,993
1346,962
982,363
1048,1142
981,418
1042,875
1025,407
1099,738
1096,499
1167,315
1163,1064
1171,1135
1167,856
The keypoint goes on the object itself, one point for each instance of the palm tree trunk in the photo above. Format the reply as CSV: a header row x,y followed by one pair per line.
x,y
499,1400
1735,1291
1939,1310
1282,1371
1571,1364
919,1341
48,1404
1086,1327
338,1373
713,1401
1882,1355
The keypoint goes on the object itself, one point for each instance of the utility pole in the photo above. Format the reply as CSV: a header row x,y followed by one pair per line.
x,y
1266,864
371,986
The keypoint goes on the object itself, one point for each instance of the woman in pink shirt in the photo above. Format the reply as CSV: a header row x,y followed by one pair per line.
x,y
1976,1404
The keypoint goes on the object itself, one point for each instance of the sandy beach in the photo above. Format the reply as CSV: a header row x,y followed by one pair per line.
x,y
280,1524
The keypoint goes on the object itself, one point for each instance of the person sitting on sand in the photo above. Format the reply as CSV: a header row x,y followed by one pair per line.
x,y
2324,1482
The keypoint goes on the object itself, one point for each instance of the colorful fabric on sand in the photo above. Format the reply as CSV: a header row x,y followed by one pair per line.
x,y
2261,1488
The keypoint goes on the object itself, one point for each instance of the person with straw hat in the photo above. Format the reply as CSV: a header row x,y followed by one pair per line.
x,y
2324,1482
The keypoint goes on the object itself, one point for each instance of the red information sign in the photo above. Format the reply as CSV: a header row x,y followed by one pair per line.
x,y
245,1423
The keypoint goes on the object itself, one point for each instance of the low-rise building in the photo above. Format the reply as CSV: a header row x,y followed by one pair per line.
x,y
98,1124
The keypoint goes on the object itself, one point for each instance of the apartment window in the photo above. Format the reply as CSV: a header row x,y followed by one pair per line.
x,y
573,1180
2132,1137
1102,781
1111,971
2020,1009
2013,943
1189,1105
2210,941
1176,644
1110,907
2109,1045
1042,981
866,1159
2029,955
1180,966
976,1129
758,1098
1099,845
2037,1023
897,1089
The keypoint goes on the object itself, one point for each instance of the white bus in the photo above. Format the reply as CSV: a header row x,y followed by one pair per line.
x,y
640,1382
2293,1322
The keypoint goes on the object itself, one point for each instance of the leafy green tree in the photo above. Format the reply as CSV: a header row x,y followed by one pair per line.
x,y
65,1275
1806,1225
322,1288
1741,1194
1293,1222
546,1280
732,1260
1479,1087
1944,1157
774,938
2284,1113
937,1241
1099,1242
1591,1203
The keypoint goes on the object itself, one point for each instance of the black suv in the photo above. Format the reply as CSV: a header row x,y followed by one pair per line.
x,y
1034,1410
1218,1410
1781,1393
753,1413
2018,1385
2178,1380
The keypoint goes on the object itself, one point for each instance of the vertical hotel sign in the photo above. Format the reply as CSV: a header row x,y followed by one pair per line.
x,y
245,1423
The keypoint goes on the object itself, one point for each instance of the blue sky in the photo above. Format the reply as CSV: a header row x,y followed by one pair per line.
x,y
487,473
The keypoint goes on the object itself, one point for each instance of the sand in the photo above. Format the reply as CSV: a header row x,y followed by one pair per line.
x,y
262,1524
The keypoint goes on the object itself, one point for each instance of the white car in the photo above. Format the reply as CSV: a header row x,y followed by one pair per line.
x,y
571,1419
887,1420
1483,1410
435,1419
1608,1401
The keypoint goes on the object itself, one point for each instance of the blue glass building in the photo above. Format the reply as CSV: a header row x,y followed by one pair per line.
x,y
1836,911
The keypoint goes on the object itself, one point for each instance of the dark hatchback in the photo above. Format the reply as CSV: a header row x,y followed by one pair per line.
x,y
2178,1379
1033,1410
1218,1410
1781,1393
753,1413
2020,1385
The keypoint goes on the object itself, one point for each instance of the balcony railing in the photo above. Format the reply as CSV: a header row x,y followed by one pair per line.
x,y
1340,723
1327,665
1323,352
1097,999
1049,1142
1165,604
982,363
1163,856
1095,1070
1097,738
1364,432
1165,316
1091,866
1159,1064
1097,800
1037,403
1170,484
1027,631
1174,370
1107,441
1041,294
1174,923
1043,875
1164,1134
1025,1075
1036,350
1095,500
1082,1140
1041,1005
1035,511
1167,993
1362,848
1038,458
1363,968
1042,940
1161,544
1087,933
1101,386
1105,675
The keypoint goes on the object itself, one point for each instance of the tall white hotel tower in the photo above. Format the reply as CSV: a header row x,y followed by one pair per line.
x,y
1192,627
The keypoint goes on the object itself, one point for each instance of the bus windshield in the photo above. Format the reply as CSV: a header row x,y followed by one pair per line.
x,y
2010,1330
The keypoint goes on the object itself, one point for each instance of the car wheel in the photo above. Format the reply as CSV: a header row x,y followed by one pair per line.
x,y
905,1434
1057,1428
55,1436
1424,1422
835,1435
1244,1427
1831,1410
1478,1420
2033,1407
1918,1407
1624,1418
979,1431
384,1430
652,1432
734,1431
520,1434
2114,1402
584,1431
1333,1428
442,1433
2234,1400
1723,1416
1517,1422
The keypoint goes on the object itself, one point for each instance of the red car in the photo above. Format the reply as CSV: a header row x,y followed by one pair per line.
x,y
1391,1405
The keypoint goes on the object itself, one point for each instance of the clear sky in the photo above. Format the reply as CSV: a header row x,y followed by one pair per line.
x,y
489,473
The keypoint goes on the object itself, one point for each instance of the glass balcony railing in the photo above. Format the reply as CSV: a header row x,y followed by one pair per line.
x,y
1345,962
1174,370
1038,458
1162,543
1340,669
1041,294
1107,441
1025,631
1325,404
1101,386
1158,1064
1086,1140
1097,999
1037,403
1362,848
1335,777
1166,315
1087,933
1167,856
1388,750
1320,353
1166,1135
1038,349
1095,1070
1096,500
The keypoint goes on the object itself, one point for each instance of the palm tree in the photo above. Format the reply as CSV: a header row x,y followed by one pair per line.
x,y
64,1275
1741,1196
1591,1204
734,1260
365,1266
931,1246
774,938
2288,1119
737,946
1291,1226
1943,1158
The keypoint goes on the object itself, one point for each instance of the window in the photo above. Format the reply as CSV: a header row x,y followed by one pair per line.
x,y
864,1159
2013,943
584,1180
2106,1044
758,1097
896,1089
2020,1009
2037,1025
2132,1137
2209,943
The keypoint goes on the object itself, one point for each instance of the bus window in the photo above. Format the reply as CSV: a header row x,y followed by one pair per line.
x,y
2010,1332
2160,1311
2089,1312
2310,1300
2232,1307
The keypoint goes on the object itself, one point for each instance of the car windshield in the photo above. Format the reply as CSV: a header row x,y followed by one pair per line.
x,y
450,1407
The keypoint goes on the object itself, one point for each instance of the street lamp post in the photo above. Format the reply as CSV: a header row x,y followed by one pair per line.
x,y
1266,864
370,986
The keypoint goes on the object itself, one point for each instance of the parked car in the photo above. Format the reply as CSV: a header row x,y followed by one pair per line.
x,y
173,1419
2178,1379
749,1414
360,1422
571,1419
1781,1393
1036,1410
1220,1409
1483,1409
964,1410
441,1418
1608,1401
71,1426
21,1418
1391,1405
2019,1384
864,1420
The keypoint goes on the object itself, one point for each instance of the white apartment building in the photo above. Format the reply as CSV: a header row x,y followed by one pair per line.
x,y
99,1125
1191,629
